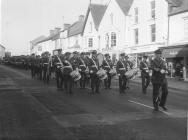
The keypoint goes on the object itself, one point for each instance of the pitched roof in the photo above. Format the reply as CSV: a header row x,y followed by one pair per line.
x,y
2,46
125,5
38,39
97,12
178,6
75,28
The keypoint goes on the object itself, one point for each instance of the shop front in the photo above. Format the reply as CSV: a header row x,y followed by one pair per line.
x,y
177,61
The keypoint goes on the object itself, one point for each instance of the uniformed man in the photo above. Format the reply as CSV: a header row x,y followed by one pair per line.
x,y
68,81
159,80
93,68
44,69
144,67
121,69
58,73
82,68
107,65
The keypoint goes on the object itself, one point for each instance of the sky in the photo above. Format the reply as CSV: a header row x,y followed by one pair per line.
x,y
24,20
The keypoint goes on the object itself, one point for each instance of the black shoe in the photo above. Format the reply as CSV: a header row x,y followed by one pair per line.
x,y
163,107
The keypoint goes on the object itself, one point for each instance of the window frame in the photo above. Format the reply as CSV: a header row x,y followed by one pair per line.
x,y
113,38
136,36
153,34
136,15
153,7
90,42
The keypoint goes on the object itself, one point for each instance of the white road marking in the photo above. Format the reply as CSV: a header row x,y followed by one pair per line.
x,y
149,107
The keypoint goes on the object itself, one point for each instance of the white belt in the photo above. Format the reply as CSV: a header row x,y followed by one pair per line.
x,y
121,68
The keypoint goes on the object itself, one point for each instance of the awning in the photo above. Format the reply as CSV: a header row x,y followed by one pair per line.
x,y
175,51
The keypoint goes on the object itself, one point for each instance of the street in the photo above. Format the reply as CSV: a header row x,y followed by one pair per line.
x,y
32,110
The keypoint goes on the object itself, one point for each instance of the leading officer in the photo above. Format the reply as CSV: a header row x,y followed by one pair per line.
x,y
159,80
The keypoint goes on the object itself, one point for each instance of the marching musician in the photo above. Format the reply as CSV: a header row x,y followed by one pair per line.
x,y
121,69
128,67
107,65
45,76
67,69
159,80
144,67
82,68
93,68
57,68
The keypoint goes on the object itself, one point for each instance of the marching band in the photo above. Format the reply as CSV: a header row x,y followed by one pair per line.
x,y
92,68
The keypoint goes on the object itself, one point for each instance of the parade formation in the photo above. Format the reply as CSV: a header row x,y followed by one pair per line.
x,y
93,70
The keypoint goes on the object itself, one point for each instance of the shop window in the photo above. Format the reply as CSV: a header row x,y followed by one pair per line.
x,y
153,9
136,35
113,39
90,42
153,32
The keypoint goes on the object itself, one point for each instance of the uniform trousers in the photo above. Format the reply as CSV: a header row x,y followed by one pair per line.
x,y
59,78
83,79
95,82
68,83
145,81
156,90
122,83
107,82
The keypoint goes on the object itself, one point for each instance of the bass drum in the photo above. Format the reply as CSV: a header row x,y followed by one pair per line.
x,y
100,58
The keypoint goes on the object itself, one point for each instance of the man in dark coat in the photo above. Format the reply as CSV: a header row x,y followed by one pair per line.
x,y
121,69
159,80
107,65
144,67
82,68
93,65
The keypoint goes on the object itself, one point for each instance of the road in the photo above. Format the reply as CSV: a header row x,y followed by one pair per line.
x,y
32,110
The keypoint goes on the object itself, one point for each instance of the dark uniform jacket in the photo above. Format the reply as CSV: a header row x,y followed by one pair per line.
x,y
121,67
157,76
74,62
144,67
107,65
82,64
67,67
93,64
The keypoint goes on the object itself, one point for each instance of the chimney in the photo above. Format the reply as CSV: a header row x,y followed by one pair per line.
x,y
56,30
66,25
51,32
81,18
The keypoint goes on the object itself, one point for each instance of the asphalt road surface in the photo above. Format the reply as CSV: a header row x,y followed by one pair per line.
x,y
32,110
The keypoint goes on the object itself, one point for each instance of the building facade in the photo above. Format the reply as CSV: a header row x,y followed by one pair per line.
x,y
176,52
90,34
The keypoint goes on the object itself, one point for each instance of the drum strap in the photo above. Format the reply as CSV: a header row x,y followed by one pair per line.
x,y
122,63
83,63
69,64
107,63
145,65
94,63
